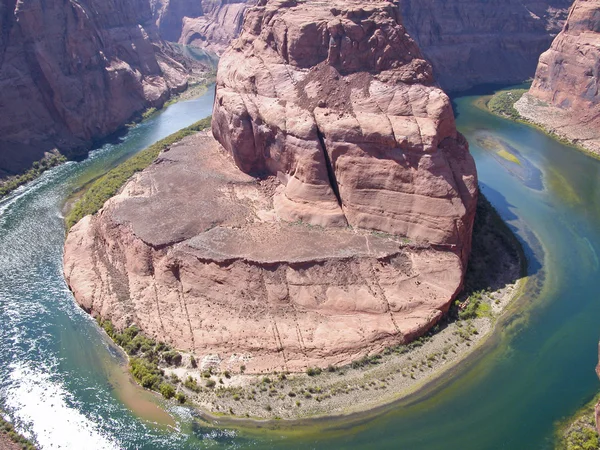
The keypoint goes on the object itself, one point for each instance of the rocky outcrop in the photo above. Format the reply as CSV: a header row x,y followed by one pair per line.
x,y
470,42
206,24
72,72
334,220
338,102
565,96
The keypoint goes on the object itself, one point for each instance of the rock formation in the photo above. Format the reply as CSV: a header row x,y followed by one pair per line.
x,y
334,220
75,71
471,42
207,24
565,96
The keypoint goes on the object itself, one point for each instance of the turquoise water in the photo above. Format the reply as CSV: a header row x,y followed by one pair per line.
x,y
56,369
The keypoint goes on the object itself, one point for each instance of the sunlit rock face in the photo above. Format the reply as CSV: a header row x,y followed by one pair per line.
x,y
564,96
326,216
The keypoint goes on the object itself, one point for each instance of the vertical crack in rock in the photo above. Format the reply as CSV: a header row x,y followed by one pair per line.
x,y
328,165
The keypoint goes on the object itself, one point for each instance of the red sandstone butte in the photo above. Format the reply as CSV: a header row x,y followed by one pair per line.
x,y
331,217
565,95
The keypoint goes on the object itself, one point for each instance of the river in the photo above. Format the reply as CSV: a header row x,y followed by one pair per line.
x,y
62,382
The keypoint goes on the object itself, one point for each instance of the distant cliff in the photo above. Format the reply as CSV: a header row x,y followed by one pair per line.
x,y
471,42
564,96
207,24
73,71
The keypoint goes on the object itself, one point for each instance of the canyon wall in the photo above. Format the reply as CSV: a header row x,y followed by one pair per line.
x,y
73,71
565,96
473,42
331,217
206,24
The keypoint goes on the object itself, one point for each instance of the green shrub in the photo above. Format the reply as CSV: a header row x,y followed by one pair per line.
x,y
151,381
191,384
313,371
210,383
180,397
502,103
167,391
108,185
172,358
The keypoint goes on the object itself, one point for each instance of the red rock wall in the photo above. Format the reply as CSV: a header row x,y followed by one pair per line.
x,y
73,71
568,74
207,24
471,42
337,101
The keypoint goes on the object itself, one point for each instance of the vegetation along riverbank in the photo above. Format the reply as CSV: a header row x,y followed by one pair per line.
x,y
502,104
10,439
108,185
494,279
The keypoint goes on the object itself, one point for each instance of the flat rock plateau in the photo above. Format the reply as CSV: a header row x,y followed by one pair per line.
x,y
328,218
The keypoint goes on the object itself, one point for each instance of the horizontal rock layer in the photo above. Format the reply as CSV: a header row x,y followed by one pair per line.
x,y
207,24
73,71
565,95
216,273
334,219
337,101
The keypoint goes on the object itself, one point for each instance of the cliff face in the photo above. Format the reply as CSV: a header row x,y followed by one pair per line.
x,y
207,24
473,42
347,228
564,96
75,71
342,107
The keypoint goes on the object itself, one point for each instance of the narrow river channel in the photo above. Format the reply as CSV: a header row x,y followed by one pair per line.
x,y
62,382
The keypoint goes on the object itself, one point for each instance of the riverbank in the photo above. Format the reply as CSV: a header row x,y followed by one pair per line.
x,y
494,279
52,159
578,432
11,440
96,193
55,158
519,106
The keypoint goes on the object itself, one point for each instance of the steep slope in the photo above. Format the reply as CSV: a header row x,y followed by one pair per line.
x,y
207,24
565,96
75,71
334,220
471,42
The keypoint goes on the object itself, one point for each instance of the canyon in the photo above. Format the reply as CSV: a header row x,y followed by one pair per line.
x,y
207,24
326,216
564,97
468,42
73,72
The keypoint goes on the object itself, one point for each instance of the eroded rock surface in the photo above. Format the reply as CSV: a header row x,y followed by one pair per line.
x,y
564,96
471,42
207,24
75,71
334,220
192,252
337,101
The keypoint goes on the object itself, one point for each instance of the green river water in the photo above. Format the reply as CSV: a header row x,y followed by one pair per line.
x,y
63,383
